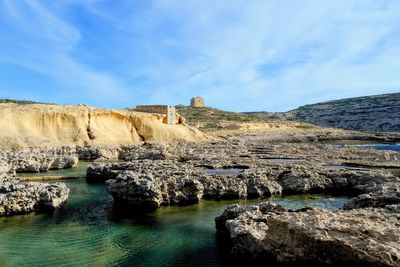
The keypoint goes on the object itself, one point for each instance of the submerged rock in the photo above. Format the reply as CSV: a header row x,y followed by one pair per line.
x,y
359,237
18,197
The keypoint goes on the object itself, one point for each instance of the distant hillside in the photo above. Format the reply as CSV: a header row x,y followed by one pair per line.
x,y
369,113
22,102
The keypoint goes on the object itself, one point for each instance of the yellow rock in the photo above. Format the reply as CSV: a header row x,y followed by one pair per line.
x,y
55,125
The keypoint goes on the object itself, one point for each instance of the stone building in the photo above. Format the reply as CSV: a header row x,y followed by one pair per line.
x,y
160,109
197,102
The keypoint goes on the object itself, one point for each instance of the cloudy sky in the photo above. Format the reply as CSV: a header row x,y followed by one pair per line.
x,y
239,55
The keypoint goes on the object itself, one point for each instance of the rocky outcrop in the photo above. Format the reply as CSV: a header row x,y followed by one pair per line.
x,y
5,167
91,153
56,125
359,237
146,192
100,172
18,197
242,169
364,233
387,196
372,113
301,180
38,159
149,185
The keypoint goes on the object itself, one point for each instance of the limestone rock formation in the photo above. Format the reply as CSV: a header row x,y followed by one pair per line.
x,y
38,159
313,237
20,197
170,185
246,168
5,167
301,179
100,172
146,192
99,153
388,195
55,125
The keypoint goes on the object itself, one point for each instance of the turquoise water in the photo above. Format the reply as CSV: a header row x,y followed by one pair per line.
x,y
393,147
90,232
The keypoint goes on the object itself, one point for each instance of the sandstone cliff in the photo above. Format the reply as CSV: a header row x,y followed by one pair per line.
x,y
53,125
371,113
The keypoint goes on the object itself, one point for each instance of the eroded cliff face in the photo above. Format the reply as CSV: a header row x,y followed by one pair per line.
x,y
54,125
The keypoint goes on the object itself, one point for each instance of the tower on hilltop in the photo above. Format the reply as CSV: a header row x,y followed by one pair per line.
x,y
197,102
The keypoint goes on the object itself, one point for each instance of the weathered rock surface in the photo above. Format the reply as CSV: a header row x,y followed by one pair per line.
x,y
150,185
146,192
359,237
20,197
42,125
38,159
388,195
5,167
372,113
249,168
91,153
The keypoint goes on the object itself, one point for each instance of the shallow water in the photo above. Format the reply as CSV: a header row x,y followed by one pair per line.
x,y
89,232
392,147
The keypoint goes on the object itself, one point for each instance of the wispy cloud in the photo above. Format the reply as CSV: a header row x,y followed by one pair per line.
x,y
38,39
239,55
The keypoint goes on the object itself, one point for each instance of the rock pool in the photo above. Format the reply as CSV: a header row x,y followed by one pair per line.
x,y
90,232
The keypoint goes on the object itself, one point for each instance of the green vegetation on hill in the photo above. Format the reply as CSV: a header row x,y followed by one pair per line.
x,y
265,115
207,118
22,102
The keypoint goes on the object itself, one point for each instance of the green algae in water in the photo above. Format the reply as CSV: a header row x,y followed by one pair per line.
x,y
90,232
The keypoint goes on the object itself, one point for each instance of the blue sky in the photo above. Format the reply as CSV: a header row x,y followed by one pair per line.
x,y
239,55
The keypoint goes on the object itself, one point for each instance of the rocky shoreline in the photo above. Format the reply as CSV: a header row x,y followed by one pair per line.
x,y
17,196
56,158
159,175
363,233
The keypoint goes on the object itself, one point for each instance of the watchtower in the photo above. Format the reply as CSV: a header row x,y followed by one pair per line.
x,y
197,102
